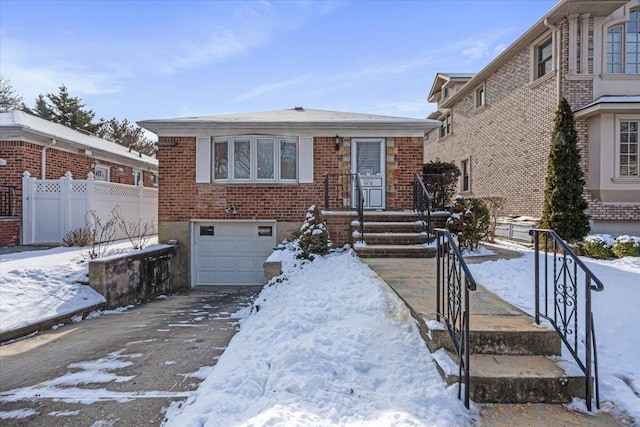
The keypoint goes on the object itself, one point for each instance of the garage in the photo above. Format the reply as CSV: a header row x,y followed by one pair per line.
x,y
231,252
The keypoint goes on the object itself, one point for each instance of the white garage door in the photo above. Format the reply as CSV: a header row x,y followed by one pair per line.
x,y
232,253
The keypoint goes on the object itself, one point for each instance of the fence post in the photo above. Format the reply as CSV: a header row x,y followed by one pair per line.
x,y
28,205
65,204
89,198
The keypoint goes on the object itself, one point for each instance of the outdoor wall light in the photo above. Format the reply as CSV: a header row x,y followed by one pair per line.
x,y
337,142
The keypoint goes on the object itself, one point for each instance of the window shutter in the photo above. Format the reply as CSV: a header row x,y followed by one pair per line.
x,y
203,160
305,161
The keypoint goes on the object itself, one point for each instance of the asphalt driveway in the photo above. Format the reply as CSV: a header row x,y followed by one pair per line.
x,y
123,369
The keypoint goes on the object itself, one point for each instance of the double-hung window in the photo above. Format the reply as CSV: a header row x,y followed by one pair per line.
x,y
623,46
544,57
629,148
445,129
255,159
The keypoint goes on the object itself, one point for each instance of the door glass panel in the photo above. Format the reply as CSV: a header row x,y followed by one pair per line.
x,y
242,159
368,157
265,151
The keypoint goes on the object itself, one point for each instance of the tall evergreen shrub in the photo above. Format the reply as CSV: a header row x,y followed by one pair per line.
x,y
564,205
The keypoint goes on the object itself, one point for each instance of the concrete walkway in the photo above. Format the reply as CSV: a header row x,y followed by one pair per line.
x,y
414,280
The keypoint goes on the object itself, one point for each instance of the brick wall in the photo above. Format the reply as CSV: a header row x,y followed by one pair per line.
x,y
9,232
182,199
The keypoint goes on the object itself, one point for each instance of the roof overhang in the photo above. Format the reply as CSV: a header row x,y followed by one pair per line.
x,y
446,80
610,105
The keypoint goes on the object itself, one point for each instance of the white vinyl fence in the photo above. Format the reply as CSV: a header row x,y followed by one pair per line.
x,y
53,207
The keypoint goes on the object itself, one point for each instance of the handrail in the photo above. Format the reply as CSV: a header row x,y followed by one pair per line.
x,y
347,193
422,202
452,301
7,198
565,303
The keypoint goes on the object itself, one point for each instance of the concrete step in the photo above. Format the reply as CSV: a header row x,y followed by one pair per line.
x,y
395,251
516,379
395,238
390,227
507,335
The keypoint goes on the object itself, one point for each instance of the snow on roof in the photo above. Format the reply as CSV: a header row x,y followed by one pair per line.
x,y
297,115
20,120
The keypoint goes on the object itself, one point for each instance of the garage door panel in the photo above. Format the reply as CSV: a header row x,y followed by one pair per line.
x,y
234,254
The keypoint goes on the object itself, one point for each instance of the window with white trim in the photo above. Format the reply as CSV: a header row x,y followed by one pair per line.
x,y
480,96
629,148
137,177
623,46
544,58
445,129
465,175
102,173
255,159
154,179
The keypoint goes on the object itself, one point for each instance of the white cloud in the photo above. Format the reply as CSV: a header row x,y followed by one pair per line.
x,y
476,52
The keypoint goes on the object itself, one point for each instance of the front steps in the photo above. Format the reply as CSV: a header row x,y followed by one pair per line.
x,y
394,235
512,360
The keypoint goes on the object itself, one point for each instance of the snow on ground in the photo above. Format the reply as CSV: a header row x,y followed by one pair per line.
x,y
616,315
329,345
42,285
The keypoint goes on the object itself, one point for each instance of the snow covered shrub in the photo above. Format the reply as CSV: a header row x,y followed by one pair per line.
x,y
313,237
469,221
599,246
626,246
78,237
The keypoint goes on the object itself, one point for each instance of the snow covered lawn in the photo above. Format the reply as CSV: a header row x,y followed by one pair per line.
x,y
616,315
330,345
41,285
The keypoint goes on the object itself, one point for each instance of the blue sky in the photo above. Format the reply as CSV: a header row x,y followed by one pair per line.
x,y
146,60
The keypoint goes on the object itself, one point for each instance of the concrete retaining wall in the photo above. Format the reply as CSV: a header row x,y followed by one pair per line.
x,y
135,277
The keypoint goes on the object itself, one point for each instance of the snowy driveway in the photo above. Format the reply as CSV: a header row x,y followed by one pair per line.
x,y
120,369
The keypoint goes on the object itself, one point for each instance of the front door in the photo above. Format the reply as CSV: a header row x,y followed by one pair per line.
x,y
368,160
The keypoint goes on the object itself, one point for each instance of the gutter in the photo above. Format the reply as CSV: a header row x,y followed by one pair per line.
x,y
44,159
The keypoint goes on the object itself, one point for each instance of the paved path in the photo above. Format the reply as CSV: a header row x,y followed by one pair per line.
x,y
415,281
120,369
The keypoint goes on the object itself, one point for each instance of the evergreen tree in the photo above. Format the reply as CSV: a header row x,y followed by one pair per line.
x,y
66,110
126,133
564,205
9,99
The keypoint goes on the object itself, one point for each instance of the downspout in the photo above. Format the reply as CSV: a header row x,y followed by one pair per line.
x,y
44,158
557,48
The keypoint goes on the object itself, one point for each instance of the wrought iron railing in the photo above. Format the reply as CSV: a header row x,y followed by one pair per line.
x,y
454,281
434,183
560,301
422,202
7,198
344,192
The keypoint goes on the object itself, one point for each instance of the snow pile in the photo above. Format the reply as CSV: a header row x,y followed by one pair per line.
x,y
329,345
616,310
41,285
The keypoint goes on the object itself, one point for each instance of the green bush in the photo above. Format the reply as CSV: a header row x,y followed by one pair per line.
x,y
626,246
451,174
469,221
599,246
313,237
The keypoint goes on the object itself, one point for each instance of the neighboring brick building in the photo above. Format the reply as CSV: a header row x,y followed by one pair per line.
x,y
231,186
48,150
497,124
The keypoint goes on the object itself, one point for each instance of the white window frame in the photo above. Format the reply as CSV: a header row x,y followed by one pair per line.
x,y
446,127
253,159
618,149
466,161
154,179
107,173
623,48
137,177
480,96
533,53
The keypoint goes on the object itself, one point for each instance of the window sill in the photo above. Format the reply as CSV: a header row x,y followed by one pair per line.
x,y
254,183
625,180
620,76
540,80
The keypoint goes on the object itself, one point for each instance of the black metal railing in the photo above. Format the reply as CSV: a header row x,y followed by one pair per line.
x,y
454,281
422,203
559,300
7,198
434,183
343,192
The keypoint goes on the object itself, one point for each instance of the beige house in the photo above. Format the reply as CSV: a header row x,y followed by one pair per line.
x,y
497,123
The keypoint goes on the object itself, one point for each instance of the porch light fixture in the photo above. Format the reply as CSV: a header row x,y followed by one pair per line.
x,y
337,142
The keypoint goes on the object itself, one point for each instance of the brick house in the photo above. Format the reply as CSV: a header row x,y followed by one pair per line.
x,y
231,186
497,123
48,150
